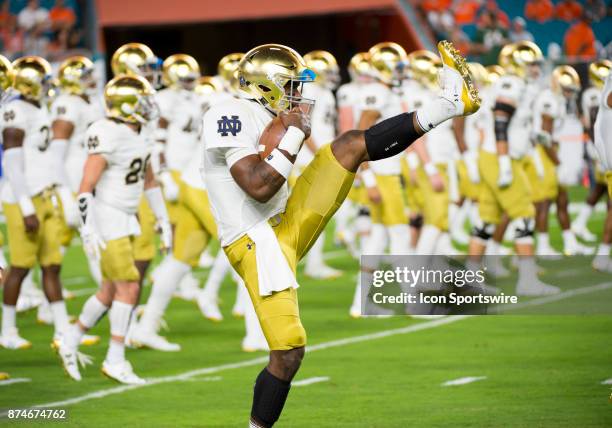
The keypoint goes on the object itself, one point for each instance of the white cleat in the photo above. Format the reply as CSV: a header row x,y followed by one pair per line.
x,y
27,302
548,252
602,264
577,249
189,288
495,267
254,344
584,234
44,316
355,312
86,340
209,308
151,340
12,340
322,272
122,372
536,288
69,358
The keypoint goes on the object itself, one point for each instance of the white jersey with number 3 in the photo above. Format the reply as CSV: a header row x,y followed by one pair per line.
x,y
127,154
34,122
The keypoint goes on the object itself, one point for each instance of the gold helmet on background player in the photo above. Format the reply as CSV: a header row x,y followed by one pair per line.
x,y
6,78
359,66
76,76
31,76
599,71
130,99
516,58
325,66
207,85
273,75
423,67
479,73
180,71
388,60
565,79
494,72
137,59
228,65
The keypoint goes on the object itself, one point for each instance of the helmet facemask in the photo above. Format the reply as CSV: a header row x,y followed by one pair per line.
x,y
282,96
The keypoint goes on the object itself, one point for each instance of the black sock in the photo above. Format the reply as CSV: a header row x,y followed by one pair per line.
x,y
391,136
269,396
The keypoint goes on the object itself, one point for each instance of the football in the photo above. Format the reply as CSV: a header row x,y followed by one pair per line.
x,y
271,137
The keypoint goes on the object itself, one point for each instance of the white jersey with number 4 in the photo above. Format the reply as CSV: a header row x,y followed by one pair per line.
x,y
34,122
235,124
183,111
603,127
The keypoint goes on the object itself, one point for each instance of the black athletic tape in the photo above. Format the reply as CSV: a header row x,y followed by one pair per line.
x,y
525,230
505,107
482,232
269,396
416,222
391,136
501,128
363,211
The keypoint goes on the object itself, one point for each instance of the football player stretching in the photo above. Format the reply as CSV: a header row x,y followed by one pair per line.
x,y
265,232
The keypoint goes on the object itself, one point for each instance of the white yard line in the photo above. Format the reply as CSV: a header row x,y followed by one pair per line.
x,y
463,380
16,380
76,280
83,291
310,381
321,346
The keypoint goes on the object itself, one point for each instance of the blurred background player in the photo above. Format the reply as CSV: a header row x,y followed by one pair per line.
x,y
506,186
34,221
118,168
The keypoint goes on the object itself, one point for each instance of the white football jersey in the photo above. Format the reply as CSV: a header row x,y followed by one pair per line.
x,y
590,101
603,127
441,143
34,122
323,120
376,96
235,123
183,111
127,154
550,104
413,95
348,97
81,113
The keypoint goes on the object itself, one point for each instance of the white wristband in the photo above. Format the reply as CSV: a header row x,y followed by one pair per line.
x,y
155,198
430,169
413,160
369,179
280,163
292,140
26,206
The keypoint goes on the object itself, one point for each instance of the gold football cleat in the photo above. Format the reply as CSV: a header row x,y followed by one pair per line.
x,y
453,59
4,376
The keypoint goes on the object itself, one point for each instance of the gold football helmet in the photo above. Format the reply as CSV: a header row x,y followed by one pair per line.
x,y
273,75
130,99
325,66
565,79
180,71
228,65
517,57
423,67
494,72
359,66
599,71
76,75
479,73
207,85
139,60
31,75
388,60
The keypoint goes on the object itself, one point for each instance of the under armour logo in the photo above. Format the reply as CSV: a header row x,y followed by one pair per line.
x,y
61,110
9,115
232,126
93,142
249,246
370,100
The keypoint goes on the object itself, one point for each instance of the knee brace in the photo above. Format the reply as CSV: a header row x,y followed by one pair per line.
x,y
416,222
523,229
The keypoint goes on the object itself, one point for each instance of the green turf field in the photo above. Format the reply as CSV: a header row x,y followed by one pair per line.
x,y
533,370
